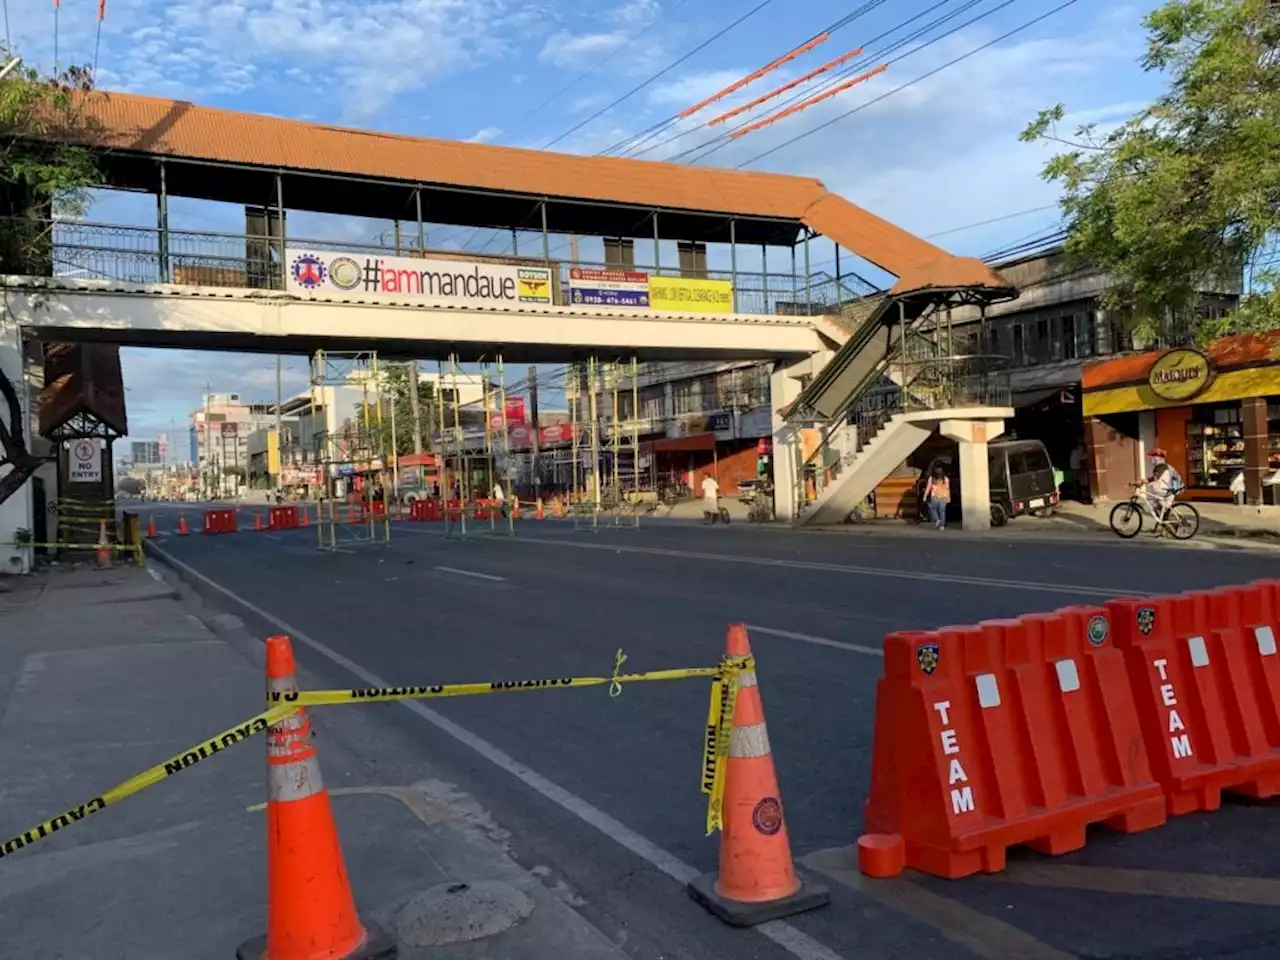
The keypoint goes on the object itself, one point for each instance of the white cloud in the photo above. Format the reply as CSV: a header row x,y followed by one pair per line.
x,y
485,135
580,51
636,12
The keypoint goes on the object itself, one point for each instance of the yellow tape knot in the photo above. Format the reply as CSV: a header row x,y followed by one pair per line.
x,y
615,685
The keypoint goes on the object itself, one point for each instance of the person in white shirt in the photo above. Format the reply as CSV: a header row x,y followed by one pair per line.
x,y
710,499
1164,484
498,494
1237,487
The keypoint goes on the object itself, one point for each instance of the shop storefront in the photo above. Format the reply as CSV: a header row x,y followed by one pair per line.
x,y
1214,411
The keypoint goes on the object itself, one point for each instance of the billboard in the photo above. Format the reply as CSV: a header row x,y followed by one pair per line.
x,y
608,288
333,273
689,295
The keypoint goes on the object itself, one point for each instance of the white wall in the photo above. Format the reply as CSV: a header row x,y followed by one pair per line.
x,y
15,512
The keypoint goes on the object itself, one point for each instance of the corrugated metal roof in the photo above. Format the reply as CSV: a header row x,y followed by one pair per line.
x,y
179,129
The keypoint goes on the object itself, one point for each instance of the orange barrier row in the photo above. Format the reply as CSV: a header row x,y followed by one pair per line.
x,y
282,518
1027,731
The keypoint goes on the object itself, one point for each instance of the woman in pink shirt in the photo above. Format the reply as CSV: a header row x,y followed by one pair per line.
x,y
938,494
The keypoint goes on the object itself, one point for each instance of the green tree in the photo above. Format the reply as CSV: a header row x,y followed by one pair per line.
x,y
39,176
1187,192
395,395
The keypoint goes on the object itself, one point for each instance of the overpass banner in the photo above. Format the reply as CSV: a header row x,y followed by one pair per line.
x,y
690,295
411,278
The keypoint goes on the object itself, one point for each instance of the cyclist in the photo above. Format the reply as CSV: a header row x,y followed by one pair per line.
x,y
1164,484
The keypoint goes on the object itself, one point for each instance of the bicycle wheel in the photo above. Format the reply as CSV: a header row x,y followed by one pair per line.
x,y
1184,521
1126,520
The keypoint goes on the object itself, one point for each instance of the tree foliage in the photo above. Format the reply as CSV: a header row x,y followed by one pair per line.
x,y
395,379
38,177
1185,195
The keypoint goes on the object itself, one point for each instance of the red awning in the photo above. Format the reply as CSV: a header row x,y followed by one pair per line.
x,y
699,441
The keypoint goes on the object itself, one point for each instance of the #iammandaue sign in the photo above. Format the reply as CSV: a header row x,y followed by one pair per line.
x,y
322,272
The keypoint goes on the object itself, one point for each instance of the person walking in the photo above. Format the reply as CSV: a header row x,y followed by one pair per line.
x,y
937,494
710,499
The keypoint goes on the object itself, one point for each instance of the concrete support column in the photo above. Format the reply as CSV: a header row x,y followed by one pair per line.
x,y
15,513
1257,447
972,436
783,390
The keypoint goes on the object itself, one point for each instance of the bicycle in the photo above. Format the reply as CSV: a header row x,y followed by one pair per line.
x,y
1182,520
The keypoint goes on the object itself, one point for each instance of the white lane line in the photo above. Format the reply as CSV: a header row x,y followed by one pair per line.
x,y
155,575
917,575
472,573
799,944
819,641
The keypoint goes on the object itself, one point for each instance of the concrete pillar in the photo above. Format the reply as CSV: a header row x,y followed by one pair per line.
x,y
15,513
972,437
783,390
1147,440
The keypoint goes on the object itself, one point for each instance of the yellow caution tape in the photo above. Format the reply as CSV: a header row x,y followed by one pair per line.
x,y
724,700
148,778
315,698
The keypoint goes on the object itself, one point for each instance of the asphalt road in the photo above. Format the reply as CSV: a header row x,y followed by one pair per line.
x,y
602,794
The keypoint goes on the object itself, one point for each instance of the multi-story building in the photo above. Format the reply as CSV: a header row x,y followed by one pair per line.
x,y
145,453
220,432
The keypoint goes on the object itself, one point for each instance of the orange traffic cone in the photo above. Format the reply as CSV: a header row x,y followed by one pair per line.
x,y
311,914
538,513
304,515
757,880
151,527
104,551
182,526
559,509
257,522
515,509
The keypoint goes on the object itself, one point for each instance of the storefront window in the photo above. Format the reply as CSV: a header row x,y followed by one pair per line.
x,y
1215,445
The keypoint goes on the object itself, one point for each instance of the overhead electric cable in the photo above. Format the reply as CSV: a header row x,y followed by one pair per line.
x,y
840,75
637,140
791,85
665,70
910,83
806,104
756,74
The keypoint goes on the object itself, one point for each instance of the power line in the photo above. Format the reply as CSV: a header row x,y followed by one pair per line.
x,y
665,70
910,83
824,85
896,45
607,58
635,141
983,223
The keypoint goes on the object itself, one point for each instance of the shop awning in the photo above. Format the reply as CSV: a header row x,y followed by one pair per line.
x,y
699,441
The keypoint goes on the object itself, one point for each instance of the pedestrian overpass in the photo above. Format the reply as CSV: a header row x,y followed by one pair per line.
x,y
261,288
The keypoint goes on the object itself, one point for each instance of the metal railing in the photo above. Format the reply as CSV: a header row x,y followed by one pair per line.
x,y
144,255
924,383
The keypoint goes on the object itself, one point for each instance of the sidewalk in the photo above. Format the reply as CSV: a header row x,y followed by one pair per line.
x,y
105,673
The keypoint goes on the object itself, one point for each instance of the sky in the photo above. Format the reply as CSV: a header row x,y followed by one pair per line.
x,y
934,155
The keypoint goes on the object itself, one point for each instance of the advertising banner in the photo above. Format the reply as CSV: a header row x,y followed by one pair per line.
x,y
608,288
688,295
410,278
555,435
515,410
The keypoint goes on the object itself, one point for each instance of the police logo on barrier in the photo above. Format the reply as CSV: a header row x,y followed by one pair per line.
x,y
1146,620
767,816
927,656
1098,630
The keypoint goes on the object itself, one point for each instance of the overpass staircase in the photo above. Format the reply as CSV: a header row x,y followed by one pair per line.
x,y
880,398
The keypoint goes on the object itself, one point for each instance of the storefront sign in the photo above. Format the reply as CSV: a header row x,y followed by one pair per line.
x,y
1179,374
410,278
555,434
85,465
688,295
608,288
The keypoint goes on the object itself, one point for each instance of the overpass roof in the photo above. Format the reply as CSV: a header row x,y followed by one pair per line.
x,y
231,156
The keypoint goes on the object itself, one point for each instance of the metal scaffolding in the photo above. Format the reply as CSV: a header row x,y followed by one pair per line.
x,y
349,446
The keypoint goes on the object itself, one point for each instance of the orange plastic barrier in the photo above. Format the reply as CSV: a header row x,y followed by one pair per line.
x,y
1010,732
220,521
1205,675
282,518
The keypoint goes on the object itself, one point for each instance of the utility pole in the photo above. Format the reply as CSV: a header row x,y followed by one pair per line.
x,y
534,429
412,369
208,443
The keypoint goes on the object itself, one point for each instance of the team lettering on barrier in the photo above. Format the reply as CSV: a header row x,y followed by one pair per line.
x,y
1179,741
961,797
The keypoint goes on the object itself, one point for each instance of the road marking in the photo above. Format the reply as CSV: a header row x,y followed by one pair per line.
x,y
984,935
155,575
797,943
1257,891
916,575
471,573
820,641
